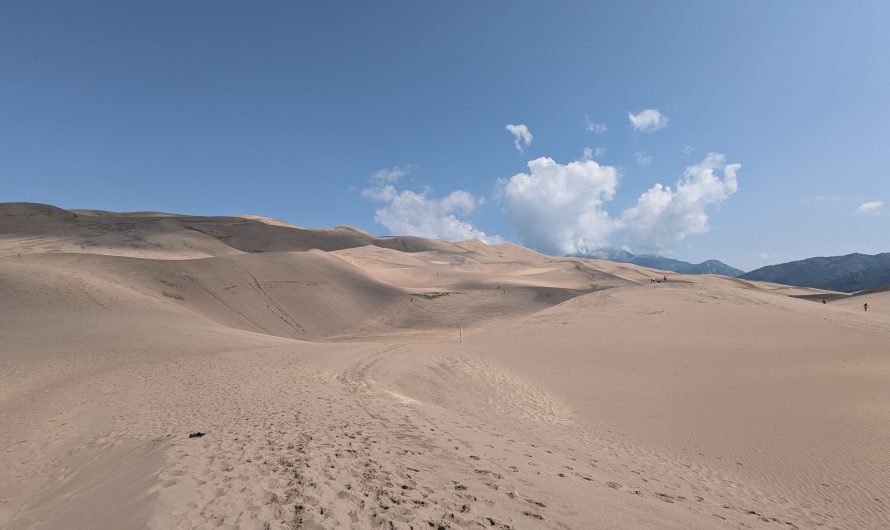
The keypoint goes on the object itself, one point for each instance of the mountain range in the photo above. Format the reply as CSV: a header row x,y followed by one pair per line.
x,y
710,266
847,274
850,273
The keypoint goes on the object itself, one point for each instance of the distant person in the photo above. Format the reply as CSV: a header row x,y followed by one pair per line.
x,y
823,301
665,278
865,306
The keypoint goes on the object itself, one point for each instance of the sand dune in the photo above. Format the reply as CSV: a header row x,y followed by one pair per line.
x,y
878,302
343,380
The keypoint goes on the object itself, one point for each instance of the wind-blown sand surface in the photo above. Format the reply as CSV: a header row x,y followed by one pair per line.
x,y
326,370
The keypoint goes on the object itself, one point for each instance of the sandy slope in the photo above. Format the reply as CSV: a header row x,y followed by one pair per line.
x,y
878,303
334,391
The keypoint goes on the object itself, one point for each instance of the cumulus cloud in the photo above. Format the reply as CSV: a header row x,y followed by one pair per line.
x,y
765,256
406,212
663,216
594,127
647,121
559,208
642,159
522,137
870,208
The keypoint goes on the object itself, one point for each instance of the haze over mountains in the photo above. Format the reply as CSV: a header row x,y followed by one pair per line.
x,y
334,379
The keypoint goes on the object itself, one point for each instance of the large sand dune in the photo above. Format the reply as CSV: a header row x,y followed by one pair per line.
x,y
344,380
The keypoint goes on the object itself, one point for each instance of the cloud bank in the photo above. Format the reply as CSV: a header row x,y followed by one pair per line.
x,y
522,137
559,208
647,121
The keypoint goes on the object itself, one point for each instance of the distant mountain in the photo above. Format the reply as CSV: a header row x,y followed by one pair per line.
x,y
853,272
713,266
710,266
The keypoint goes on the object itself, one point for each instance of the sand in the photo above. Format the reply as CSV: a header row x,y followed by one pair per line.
x,y
348,381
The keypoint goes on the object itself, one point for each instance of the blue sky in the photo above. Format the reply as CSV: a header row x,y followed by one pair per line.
x,y
392,116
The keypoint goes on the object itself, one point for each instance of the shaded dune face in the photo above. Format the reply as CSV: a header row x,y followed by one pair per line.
x,y
272,279
349,381
42,228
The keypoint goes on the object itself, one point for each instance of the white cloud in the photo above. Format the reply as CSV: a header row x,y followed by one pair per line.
x,y
688,150
559,208
594,127
390,175
593,153
521,135
765,256
406,212
663,216
647,121
870,208
642,159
